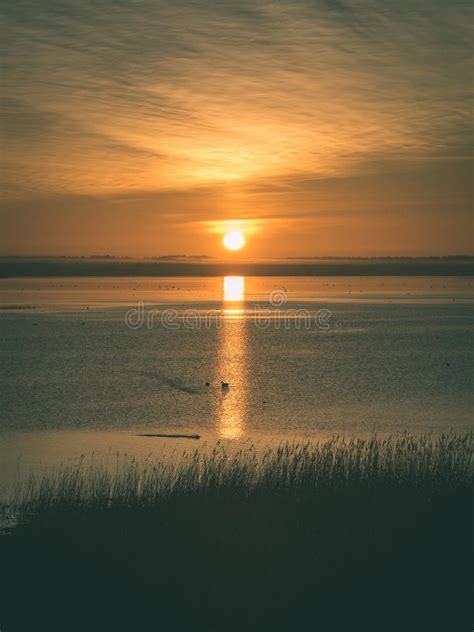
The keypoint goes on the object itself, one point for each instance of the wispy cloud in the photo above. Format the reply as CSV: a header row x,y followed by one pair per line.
x,y
143,126
153,95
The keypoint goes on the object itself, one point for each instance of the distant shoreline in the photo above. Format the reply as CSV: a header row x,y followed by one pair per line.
x,y
109,266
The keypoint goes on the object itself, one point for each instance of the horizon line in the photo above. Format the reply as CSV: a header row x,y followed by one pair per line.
x,y
209,259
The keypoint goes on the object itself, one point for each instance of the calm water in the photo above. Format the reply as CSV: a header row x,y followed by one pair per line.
x,y
302,356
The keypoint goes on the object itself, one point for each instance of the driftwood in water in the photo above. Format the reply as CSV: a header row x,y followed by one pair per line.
x,y
171,436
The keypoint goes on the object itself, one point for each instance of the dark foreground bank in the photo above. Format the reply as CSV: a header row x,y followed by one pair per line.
x,y
345,535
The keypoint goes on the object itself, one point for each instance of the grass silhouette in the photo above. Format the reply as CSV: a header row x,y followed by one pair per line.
x,y
359,534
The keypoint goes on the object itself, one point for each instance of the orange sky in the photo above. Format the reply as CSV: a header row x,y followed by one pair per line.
x,y
317,128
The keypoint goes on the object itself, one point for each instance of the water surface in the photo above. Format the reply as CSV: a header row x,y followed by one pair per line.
x,y
302,357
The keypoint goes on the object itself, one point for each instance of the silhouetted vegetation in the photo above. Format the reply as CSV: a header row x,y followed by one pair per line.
x,y
341,535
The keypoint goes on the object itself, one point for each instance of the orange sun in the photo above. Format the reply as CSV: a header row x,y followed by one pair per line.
x,y
234,240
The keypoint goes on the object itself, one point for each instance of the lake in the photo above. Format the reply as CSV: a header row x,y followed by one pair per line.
x,y
89,363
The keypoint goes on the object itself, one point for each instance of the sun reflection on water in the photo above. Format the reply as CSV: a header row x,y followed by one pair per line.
x,y
233,362
234,288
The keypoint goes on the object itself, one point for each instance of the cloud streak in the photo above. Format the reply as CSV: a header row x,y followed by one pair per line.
x,y
333,120
157,95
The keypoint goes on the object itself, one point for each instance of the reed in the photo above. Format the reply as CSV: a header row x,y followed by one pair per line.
x,y
360,534
292,470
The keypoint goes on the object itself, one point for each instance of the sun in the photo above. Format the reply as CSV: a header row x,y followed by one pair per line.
x,y
234,240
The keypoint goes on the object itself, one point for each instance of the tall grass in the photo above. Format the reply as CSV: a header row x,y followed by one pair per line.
x,y
347,534
297,469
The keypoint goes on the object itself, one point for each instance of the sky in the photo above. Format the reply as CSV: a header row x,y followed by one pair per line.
x,y
317,127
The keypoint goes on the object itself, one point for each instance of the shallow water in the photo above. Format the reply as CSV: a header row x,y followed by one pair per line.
x,y
302,357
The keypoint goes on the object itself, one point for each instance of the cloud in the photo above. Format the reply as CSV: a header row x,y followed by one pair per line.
x,y
126,96
140,127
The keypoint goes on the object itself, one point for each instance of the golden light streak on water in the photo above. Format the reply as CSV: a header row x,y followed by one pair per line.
x,y
232,366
